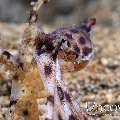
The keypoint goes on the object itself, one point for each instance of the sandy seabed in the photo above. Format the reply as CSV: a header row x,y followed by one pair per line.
x,y
97,87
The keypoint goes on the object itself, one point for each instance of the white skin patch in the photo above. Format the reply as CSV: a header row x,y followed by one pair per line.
x,y
64,105
48,81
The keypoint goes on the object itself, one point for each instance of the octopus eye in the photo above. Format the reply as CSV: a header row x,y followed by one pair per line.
x,y
65,44
63,40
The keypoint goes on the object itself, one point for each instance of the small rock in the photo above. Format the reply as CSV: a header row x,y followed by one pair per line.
x,y
112,66
104,61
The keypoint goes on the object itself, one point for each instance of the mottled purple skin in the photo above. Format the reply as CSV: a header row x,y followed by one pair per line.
x,y
74,41
77,39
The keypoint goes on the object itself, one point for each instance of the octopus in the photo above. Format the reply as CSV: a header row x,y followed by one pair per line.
x,y
64,50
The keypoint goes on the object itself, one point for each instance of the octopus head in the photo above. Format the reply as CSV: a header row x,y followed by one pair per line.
x,y
77,49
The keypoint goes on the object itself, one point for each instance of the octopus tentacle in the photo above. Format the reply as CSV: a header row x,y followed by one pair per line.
x,y
73,105
46,67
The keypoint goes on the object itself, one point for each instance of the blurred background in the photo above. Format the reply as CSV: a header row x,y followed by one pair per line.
x,y
100,81
63,12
